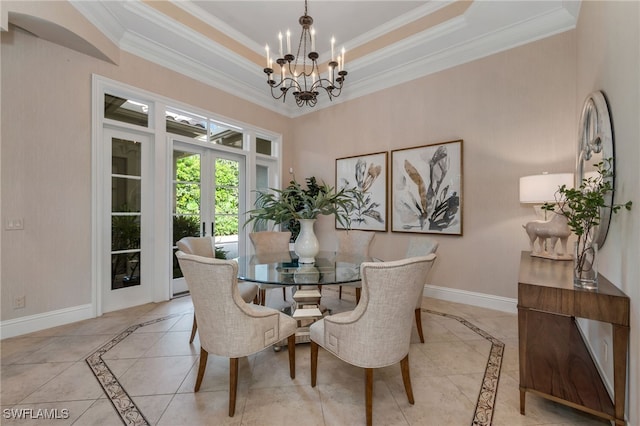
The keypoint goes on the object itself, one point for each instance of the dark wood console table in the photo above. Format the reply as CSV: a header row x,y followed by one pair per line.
x,y
554,360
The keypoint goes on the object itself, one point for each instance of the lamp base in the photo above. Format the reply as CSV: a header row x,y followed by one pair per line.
x,y
552,256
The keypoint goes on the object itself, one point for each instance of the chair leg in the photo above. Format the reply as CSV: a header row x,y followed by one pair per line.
x,y
203,366
263,294
406,378
368,390
194,328
291,346
233,385
419,324
358,293
284,293
314,363
340,293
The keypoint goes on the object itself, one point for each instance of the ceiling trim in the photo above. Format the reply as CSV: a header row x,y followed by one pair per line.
x,y
241,84
101,18
458,40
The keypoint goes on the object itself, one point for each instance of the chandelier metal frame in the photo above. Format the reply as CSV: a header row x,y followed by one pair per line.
x,y
305,83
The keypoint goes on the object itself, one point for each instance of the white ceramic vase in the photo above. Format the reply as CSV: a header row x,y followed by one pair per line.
x,y
306,245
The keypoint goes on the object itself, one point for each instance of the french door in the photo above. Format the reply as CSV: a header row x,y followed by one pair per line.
x,y
128,195
207,199
141,209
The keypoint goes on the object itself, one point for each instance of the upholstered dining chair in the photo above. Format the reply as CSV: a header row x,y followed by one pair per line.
x,y
265,243
420,246
204,246
354,242
377,333
228,326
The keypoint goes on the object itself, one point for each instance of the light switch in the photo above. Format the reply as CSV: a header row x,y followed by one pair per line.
x,y
14,224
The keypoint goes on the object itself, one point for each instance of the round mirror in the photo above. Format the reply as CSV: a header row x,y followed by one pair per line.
x,y
595,143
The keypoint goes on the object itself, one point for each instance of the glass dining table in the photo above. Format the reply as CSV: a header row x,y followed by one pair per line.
x,y
283,269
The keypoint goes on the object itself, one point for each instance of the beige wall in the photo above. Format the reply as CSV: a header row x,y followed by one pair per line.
x,y
46,161
608,59
516,113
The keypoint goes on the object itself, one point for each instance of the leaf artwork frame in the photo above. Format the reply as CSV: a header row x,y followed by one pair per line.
x,y
427,188
367,175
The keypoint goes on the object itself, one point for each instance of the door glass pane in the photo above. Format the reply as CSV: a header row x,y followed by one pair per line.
x,y
227,182
263,146
223,134
186,199
262,177
262,182
186,124
126,183
126,110
125,270
126,157
125,194
125,232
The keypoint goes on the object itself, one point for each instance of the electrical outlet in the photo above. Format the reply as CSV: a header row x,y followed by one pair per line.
x,y
19,302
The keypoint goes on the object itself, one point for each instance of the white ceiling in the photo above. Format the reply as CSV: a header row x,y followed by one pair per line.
x,y
189,45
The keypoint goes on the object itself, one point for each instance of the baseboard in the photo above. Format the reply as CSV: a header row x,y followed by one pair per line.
x,y
482,300
29,324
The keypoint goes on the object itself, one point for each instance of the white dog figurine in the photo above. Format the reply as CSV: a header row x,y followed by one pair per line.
x,y
548,232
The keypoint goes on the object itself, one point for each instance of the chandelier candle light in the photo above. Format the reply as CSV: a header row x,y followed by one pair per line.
x,y
299,76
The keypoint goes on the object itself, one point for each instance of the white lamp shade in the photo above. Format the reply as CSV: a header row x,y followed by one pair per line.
x,y
539,189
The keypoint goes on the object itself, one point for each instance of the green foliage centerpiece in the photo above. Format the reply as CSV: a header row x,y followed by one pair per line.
x,y
296,205
581,206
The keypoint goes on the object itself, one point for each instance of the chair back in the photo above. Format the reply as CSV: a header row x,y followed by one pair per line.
x,y
200,246
270,245
355,242
421,246
379,328
226,324
267,242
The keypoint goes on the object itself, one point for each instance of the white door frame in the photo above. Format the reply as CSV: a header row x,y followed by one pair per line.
x,y
208,155
160,168
143,293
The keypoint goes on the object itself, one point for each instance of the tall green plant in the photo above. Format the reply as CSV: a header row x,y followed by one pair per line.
x,y
581,206
284,206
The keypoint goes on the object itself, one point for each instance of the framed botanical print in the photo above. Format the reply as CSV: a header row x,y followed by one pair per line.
x,y
426,191
367,176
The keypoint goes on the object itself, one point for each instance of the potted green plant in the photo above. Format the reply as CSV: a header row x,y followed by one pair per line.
x,y
297,204
581,206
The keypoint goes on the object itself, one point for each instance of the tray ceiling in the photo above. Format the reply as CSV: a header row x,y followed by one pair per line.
x,y
221,43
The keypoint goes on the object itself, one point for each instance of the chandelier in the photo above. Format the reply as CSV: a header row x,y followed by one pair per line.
x,y
303,77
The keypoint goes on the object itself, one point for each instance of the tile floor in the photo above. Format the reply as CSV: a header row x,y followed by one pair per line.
x,y
45,374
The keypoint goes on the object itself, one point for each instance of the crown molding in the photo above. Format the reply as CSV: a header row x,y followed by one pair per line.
x,y
159,39
102,18
175,61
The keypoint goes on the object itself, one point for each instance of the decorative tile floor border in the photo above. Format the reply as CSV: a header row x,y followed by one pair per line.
x,y
130,414
485,405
